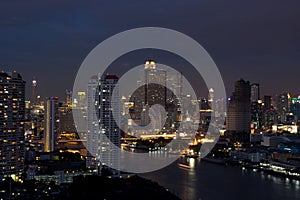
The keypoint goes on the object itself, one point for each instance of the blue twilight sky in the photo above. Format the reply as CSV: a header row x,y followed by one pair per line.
x,y
258,40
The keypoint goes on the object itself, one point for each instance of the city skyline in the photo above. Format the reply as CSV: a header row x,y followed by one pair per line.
x,y
142,99
271,146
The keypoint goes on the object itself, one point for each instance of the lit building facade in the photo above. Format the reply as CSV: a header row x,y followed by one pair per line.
x,y
110,135
79,107
92,124
12,116
255,92
154,90
103,132
51,117
283,106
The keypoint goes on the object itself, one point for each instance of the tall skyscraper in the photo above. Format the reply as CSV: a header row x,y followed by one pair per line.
x,y
34,91
92,125
108,126
239,108
155,84
51,124
12,116
68,98
255,92
210,96
283,106
154,89
102,144
269,114
79,107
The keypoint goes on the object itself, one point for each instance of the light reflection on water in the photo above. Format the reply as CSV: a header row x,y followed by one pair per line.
x,y
211,181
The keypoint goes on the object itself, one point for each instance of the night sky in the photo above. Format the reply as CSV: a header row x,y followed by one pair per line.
x,y
258,40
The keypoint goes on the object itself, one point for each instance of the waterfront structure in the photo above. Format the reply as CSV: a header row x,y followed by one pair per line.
x,y
51,124
12,116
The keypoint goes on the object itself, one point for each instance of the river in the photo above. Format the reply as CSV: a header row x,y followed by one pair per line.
x,y
212,181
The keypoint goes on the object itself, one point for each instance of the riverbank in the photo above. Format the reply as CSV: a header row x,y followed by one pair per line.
x,y
274,168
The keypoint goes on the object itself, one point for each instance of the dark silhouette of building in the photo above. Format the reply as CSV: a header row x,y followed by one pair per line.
x,y
239,110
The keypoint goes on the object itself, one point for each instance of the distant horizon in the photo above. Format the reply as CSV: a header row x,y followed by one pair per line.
x,y
62,92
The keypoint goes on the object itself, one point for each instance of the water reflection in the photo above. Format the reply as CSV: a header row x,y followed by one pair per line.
x,y
210,181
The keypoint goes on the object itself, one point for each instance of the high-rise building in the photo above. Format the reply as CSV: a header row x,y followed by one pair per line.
x,y
255,92
256,115
34,91
103,131
68,98
154,89
210,96
239,108
51,124
79,108
92,124
155,84
109,128
12,116
66,122
283,106
269,114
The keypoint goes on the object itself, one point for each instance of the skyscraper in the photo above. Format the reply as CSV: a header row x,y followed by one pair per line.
x,y
283,106
155,84
210,96
34,91
239,108
103,132
12,115
255,92
154,90
79,107
68,98
110,131
92,124
51,124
